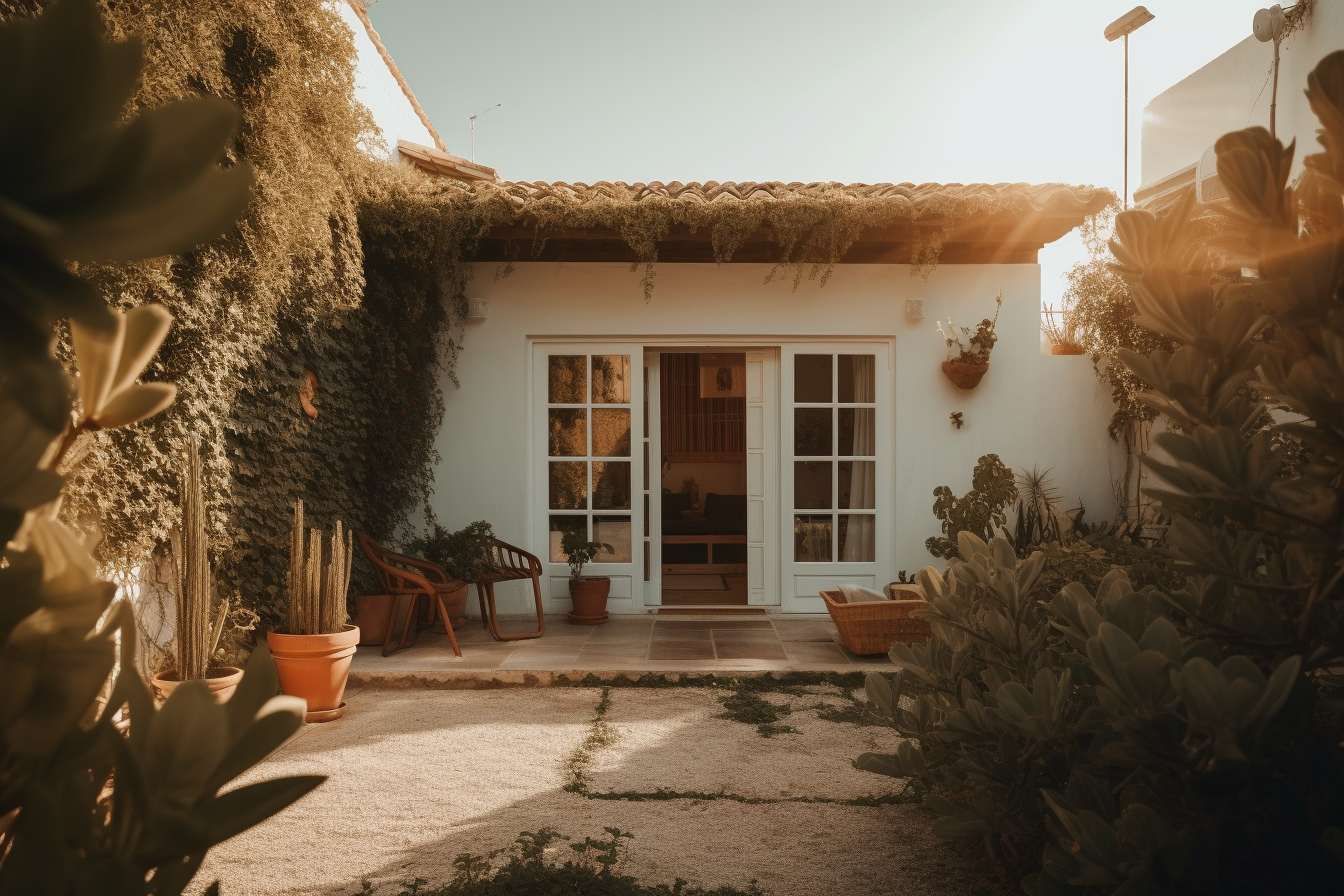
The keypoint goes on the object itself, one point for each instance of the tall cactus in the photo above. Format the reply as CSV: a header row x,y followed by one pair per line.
x,y
197,633
317,588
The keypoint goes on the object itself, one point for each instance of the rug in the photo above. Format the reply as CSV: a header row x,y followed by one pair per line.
x,y
694,583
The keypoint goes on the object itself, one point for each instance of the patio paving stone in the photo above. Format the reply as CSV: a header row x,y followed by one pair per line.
x,y
624,645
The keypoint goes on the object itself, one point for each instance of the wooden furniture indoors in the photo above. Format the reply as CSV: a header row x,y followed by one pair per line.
x,y
510,564
420,579
724,522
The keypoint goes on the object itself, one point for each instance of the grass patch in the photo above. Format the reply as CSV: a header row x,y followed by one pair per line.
x,y
751,708
600,735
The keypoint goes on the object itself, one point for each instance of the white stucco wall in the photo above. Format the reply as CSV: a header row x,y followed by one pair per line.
x,y
1032,410
1233,92
377,88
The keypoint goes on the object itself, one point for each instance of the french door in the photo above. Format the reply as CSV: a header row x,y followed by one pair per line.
x,y
588,470
835,483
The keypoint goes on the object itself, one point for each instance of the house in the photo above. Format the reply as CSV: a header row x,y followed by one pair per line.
x,y
745,434
1233,92
743,438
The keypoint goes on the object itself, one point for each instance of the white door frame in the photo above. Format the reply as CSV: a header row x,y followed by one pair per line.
x,y
624,596
774,579
802,581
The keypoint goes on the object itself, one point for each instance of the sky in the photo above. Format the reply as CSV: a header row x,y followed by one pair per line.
x,y
946,91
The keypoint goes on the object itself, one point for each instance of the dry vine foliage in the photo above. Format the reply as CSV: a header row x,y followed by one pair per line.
x,y
355,270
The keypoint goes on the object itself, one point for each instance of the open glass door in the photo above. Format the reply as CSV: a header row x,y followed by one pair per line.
x,y
589,464
836,482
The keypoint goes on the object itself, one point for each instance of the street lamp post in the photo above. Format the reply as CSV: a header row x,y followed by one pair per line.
x,y
1131,21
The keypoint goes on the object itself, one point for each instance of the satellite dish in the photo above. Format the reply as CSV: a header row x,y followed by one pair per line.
x,y
1268,24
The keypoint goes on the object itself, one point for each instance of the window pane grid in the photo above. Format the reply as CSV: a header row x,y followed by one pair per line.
x,y
589,410
835,458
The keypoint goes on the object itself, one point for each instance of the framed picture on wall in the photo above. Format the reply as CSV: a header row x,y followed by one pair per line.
x,y
723,375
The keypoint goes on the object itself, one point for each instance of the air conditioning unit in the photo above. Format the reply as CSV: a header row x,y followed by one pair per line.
x,y
1208,187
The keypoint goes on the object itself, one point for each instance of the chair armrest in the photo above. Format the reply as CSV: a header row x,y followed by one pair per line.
x,y
511,557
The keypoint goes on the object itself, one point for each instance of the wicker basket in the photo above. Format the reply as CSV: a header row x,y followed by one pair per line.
x,y
963,374
872,626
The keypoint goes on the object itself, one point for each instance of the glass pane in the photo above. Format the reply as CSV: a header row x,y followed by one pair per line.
x,y
812,539
857,486
567,380
812,485
855,375
611,432
856,432
559,526
611,485
569,485
646,516
611,379
812,378
569,432
856,538
647,568
646,471
615,531
812,432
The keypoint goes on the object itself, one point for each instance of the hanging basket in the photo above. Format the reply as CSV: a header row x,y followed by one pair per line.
x,y
964,374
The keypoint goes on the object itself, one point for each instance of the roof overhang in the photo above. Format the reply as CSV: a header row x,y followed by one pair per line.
x,y
997,224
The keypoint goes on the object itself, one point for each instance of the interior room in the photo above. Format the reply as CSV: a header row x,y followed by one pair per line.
x,y
704,478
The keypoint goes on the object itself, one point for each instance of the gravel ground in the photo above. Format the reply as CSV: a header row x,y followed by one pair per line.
x,y
420,777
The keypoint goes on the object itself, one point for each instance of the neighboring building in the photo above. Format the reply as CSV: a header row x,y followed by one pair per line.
x,y
582,405
1234,92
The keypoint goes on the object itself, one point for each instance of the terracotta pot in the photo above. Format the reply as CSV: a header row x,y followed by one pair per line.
x,y
455,602
315,668
371,618
221,681
964,374
589,595
1067,350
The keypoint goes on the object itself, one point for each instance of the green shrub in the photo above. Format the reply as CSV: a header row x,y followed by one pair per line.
x,y
464,554
1194,737
978,511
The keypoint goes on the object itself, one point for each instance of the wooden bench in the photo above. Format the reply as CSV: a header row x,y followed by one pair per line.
x,y
709,541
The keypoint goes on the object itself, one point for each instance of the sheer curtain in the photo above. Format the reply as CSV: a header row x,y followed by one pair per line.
x,y
859,546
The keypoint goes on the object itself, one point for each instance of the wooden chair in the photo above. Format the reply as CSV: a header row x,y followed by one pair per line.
x,y
510,564
418,578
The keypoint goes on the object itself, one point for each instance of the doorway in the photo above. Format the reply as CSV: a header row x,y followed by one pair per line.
x,y
702,428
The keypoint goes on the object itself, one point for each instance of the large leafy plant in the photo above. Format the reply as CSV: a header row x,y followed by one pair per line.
x,y
979,511
1205,724
100,794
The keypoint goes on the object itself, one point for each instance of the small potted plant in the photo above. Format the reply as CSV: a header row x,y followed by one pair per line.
x,y
198,624
589,593
464,555
313,654
1064,334
967,353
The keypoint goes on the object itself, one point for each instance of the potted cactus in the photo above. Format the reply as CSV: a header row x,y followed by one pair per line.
x,y
313,654
589,593
198,625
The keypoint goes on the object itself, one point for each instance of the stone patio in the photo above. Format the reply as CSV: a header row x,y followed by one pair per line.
x,y
626,644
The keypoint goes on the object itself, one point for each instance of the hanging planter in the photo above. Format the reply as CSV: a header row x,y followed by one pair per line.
x,y
965,374
967,352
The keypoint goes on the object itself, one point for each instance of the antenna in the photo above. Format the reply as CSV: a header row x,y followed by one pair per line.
x,y
473,127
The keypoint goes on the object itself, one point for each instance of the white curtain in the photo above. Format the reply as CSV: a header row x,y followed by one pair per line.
x,y
858,544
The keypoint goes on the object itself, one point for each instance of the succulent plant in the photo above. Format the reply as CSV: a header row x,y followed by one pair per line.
x,y
318,582
198,625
